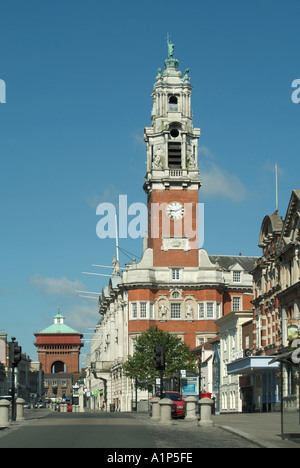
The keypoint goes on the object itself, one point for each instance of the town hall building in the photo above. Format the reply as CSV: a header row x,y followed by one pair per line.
x,y
176,285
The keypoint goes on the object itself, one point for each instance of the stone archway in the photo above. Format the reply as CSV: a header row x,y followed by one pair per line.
x,y
58,367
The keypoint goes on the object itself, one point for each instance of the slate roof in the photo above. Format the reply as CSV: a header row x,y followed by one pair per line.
x,y
227,261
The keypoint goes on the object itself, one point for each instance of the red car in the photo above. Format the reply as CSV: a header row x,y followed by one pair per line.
x,y
178,406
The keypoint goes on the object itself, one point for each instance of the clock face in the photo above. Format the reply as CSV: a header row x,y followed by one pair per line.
x,y
175,210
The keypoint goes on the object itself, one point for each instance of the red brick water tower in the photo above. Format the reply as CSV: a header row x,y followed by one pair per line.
x,y
59,347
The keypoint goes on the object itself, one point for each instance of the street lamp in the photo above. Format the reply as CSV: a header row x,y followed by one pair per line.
x,y
199,369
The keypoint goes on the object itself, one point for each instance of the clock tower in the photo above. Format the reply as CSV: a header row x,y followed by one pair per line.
x,y
172,179
175,286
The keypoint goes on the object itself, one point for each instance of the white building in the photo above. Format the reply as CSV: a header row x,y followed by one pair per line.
x,y
231,350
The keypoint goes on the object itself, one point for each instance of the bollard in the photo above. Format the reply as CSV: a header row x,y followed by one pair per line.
x,y
19,409
155,409
165,410
190,403
206,405
4,413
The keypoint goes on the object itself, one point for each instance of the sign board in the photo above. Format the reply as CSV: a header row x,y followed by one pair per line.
x,y
189,386
292,332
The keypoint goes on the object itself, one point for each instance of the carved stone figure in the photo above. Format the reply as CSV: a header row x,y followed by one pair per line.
x,y
189,312
163,311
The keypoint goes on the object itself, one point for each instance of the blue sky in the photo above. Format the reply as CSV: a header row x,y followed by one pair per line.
x,y
78,77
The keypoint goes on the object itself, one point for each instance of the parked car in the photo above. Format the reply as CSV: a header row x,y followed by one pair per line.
x,y
178,406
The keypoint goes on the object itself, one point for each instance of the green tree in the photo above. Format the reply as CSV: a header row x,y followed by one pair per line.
x,y
141,365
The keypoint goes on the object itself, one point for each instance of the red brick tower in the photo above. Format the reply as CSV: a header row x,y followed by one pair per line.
x,y
59,347
172,179
177,285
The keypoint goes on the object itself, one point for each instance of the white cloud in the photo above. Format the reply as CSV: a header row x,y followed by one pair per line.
x,y
109,195
82,317
269,166
138,138
217,182
56,286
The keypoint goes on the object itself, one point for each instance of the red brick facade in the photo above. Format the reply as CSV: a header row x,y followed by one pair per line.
x,y
160,225
189,329
59,348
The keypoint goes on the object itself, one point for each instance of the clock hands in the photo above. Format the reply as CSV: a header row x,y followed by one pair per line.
x,y
177,209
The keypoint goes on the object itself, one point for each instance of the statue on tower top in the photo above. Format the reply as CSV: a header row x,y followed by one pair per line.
x,y
171,61
170,46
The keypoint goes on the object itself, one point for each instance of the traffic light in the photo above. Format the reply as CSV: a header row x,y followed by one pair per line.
x,y
15,352
159,357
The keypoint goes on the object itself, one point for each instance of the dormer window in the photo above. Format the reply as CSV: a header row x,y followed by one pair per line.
x,y
236,276
173,103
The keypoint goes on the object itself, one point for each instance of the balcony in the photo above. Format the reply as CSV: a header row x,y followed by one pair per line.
x,y
176,172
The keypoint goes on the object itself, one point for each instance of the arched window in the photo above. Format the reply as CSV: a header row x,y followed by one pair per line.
x,y
173,103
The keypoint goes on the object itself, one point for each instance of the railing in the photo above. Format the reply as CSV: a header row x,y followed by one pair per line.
x,y
175,173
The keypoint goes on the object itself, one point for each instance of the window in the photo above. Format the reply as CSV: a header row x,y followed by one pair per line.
x,y
236,303
175,274
175,311
236,276
247,341
218,310
233,340
200,340
207,310
151,311
133,344
174,155
201,310
210,310
133,310
173,103
143,309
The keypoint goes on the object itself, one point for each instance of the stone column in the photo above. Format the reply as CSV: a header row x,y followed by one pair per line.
x,y
191,403
81,399
206,405
165,410
155,409
4,413
19,409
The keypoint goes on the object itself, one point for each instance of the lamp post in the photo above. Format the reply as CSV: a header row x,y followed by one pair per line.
x,y
200,369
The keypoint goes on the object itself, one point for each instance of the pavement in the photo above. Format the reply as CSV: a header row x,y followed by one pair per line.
x,y
263,429
256,430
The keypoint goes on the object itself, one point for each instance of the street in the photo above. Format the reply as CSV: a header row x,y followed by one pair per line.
x,y
111,431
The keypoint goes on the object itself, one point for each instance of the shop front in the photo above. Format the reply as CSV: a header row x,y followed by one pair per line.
x,y
290,380
258,382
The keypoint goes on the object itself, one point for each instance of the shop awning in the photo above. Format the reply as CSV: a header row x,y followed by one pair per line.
x,y
249,364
